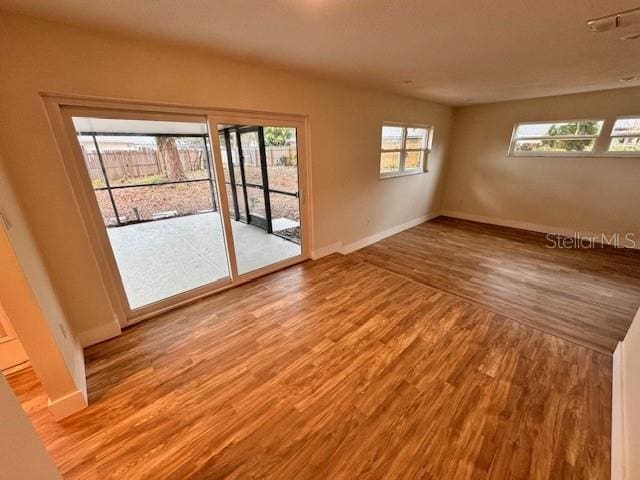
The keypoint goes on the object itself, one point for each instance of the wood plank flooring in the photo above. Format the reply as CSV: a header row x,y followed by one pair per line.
x,y
587,296
334,369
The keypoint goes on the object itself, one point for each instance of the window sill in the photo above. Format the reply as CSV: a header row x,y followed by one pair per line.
x,y
401,174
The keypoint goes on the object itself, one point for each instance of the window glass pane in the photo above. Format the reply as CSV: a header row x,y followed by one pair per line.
x,y
585,128
416,138
251,154
413,160
577,145
389,162
391,138
281,150
241,212
625,144
168,239
626,126
543,129
285,212
238,213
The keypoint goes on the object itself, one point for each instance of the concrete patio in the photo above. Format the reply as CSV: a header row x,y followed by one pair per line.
x,y
163,258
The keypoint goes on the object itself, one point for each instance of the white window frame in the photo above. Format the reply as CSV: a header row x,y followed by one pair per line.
x,y
607,141
403,150
595,152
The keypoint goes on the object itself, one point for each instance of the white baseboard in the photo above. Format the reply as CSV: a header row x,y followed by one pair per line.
x,y
67,405
533,227
328,250
340,247
99,334
364,242
617,416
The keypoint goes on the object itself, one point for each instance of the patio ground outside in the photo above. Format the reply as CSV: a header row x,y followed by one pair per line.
x,y
163,258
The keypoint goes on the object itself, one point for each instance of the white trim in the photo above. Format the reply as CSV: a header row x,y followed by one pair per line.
x,y
402,171
364,242
99,334
340,247
67,405
618,445
534,227
328,250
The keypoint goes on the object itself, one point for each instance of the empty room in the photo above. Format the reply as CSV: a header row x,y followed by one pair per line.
x,y
319,239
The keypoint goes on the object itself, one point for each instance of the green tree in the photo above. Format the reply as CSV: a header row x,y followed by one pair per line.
x,y
277,136
576,128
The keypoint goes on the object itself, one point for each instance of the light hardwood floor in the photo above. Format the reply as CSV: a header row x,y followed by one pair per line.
x,y
587,296
334,369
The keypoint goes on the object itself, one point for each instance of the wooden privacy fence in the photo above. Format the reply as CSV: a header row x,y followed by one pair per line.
x,y
286,155
147,162
141,163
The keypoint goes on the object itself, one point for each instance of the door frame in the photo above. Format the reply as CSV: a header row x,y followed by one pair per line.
x,y
60,108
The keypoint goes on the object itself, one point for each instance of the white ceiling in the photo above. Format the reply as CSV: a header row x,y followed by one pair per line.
x,y
453,51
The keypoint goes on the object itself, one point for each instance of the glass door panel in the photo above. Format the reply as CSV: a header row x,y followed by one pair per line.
x,y
268,229
155,187
282,170
251,153
233,175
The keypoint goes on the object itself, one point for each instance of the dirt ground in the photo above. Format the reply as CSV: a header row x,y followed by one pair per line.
x,y
141,203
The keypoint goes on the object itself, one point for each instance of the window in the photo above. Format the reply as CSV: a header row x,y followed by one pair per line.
x,y
404,149
556,138
625,136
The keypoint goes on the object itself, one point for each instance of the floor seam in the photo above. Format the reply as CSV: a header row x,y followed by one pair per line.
x,y
466,299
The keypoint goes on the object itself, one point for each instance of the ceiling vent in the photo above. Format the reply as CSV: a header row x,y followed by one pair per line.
x,y
615,20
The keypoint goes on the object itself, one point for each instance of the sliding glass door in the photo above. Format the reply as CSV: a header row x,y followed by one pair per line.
x,y
183,205
155,187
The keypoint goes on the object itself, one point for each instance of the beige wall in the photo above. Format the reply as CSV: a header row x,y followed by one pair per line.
x,y
32,306
349,201
587,194
22,454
